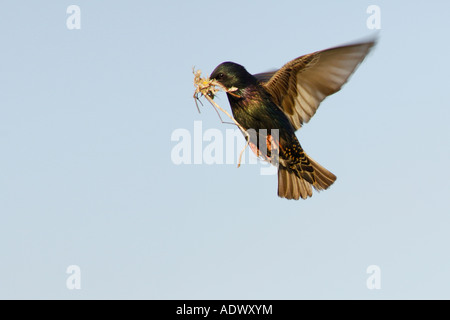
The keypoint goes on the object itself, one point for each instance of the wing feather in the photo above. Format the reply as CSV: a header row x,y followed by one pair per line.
x,y
302,84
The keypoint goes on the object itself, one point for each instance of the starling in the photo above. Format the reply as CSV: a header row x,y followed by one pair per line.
x,y
285,99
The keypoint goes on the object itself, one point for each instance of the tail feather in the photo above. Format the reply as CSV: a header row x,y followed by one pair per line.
x,y
296,183
324,178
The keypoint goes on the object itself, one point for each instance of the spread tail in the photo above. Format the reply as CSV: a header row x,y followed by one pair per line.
x,y
295,183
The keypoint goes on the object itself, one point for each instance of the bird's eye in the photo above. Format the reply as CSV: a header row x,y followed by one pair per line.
x,y
220,75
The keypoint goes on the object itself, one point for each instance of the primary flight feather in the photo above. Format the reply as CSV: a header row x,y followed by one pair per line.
x,y
285,99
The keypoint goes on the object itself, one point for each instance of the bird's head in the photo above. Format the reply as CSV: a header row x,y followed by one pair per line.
x,y
231,74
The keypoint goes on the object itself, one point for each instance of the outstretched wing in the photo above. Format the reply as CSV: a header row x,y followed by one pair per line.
x,y
302,84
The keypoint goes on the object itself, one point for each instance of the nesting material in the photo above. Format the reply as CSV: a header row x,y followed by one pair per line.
x,y
208,88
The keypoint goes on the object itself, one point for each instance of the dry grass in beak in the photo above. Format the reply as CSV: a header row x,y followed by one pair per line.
x,y
208,88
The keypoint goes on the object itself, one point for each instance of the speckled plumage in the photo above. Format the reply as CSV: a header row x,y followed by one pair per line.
x,y
284,100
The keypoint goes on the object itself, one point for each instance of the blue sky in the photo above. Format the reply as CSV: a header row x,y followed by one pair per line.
x,y
87,179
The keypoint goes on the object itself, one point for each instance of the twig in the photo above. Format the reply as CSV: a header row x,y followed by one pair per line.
x,y
207,88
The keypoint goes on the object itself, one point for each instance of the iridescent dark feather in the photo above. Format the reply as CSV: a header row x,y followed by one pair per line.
x,y
285,99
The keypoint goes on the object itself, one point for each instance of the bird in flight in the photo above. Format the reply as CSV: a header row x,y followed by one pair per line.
x,y
284,100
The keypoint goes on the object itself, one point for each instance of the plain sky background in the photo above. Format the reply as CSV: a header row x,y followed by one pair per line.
x,y
86,176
